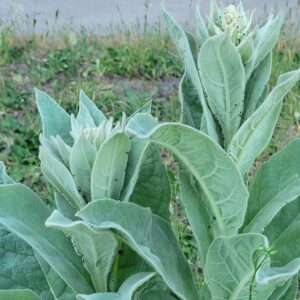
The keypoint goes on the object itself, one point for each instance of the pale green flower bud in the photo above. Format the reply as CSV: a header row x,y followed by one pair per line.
x,y
233,17
95,135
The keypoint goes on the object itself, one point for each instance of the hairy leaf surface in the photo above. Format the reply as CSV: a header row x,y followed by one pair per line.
x,y
126,291
276,184
256,85
230,269
183,47
196,211
191,108
19,268
82,159
223,77
264,42
256,132
18,295
59,288
149,235
152,173
219,179
108,171
60,177
54,119
89,104
236,270
24,214
201,30
284,233
96,248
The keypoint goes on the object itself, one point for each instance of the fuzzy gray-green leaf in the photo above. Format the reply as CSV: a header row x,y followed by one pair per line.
x,y
264,42
97,248
183,47
149,235
196,211
59,289
256,85
276,184
125,292
223,78
191,108
19,268
151,172
108,171
284,233
18,294
230,268
24,214
256,132
201,30
96,114
54,119
82,159
59,176
218,177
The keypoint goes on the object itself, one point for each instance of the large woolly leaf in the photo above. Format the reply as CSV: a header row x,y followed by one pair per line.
x,y
201,30
60,177
196,211
264,42
223,77
142,122
82,159
19,268
24,214
256,85
267,275
135,160
59,288
217,175
191,108
152,173
149,235
254,135
237,266
23,294
108,171
89,104
63,149
64,206
145,169
276,184
284,233
54,119
84,119
182,44
246,48
126,291
230,270
157,295
287,291
97,248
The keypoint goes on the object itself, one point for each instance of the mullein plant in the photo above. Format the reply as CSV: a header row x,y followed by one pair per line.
x,y
108,235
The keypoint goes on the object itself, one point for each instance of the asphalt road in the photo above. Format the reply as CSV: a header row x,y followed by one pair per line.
x,y
106,15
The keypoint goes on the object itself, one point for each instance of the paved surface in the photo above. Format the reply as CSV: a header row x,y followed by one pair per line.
x,y
104,15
